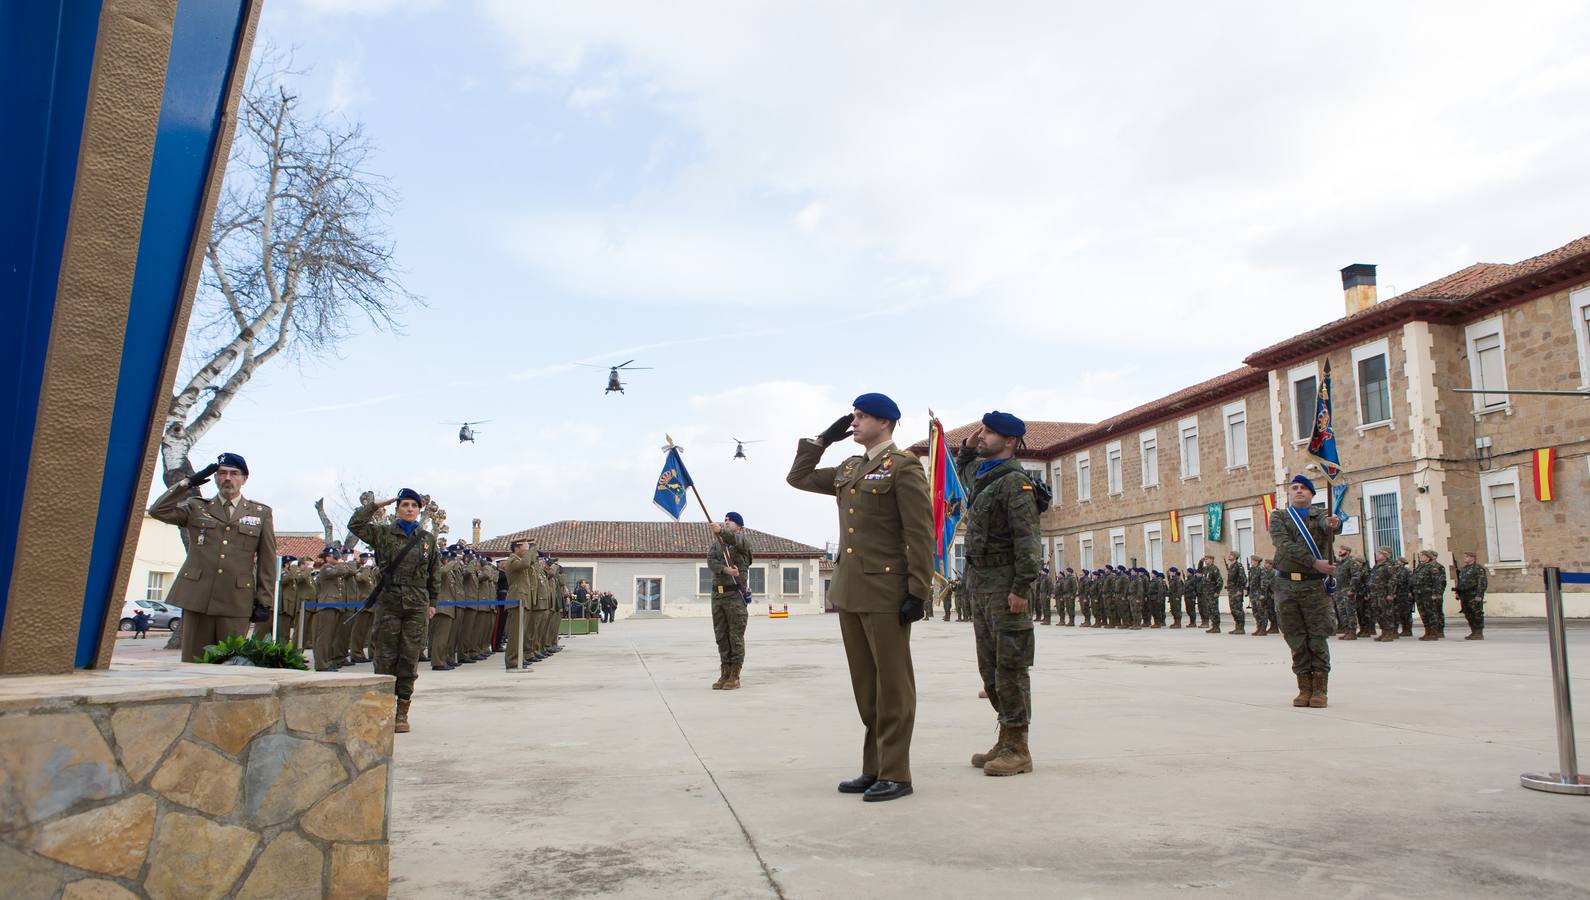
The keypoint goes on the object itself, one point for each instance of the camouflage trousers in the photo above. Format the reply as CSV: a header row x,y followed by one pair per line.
x,y
1431,615
1346,608
1234,606
1004,645
398,636
1045,609
1134,610
1209,608
1473,611
1307,622
728,626
1154,610
1261,609
1066,609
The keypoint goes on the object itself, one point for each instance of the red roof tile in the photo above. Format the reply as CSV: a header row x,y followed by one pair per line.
x,y
675,540
1185,400
303,545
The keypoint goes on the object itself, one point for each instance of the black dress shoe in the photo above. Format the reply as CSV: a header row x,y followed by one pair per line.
x,y
858,784
887,790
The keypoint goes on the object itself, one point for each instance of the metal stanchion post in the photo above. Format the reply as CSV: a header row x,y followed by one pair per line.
x,y
1567,779
276,603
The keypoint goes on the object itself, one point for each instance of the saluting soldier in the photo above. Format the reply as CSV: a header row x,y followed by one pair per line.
x,y
359,632
885,563
520,566
446,614
407,554
1301,534
323,624
1471,585
729,558
231,564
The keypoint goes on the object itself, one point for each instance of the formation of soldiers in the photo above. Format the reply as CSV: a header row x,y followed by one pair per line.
x,y
1384,595
471,621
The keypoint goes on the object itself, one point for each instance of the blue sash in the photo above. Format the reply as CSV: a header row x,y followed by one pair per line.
x,y
1297,519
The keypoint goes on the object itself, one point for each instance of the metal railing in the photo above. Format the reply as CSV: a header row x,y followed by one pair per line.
x,y
1566,780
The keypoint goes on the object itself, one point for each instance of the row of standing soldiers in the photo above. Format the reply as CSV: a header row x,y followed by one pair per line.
x,y
1387,593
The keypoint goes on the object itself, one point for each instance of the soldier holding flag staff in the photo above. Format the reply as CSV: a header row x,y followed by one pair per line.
x,y
1301,535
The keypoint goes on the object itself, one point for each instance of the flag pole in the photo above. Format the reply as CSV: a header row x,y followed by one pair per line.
x,y
703,504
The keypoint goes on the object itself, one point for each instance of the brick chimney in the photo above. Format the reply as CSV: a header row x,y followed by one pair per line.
x,y
1358,284
475,525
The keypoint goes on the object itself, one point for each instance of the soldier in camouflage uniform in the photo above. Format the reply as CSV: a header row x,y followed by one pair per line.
x,y
1173,589
1136,594
963,601
1302,563
1002,568
1070,587
949,599
1380,595
1349,579
1209,587
1236,586
1157,592
408,593
1259,594
729,557
1402,594
1471,584
1191,590
1429,588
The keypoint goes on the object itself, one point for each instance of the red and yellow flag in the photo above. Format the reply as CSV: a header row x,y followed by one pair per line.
x,y
1544,490
1175,527
1269,507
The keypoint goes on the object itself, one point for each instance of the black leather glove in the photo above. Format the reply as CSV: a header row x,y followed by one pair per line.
x,y
836,431
203,475
911,610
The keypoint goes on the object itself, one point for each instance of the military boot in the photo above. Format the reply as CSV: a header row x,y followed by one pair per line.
x,y
1440,633
732,683
1475,634
1386,634
1176,623
1366,631
1015,758
1429,634
1305,690
1407,631
401,725
979,759
1316,698
1212,629
723,677
1350,634
1240,629
1262,630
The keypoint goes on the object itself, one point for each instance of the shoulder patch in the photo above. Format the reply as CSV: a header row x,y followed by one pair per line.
x,y
1026,487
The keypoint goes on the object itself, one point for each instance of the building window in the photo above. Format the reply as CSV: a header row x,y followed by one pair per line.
x,y
1148,446
1059,553
792,580
758,580
1374,383
1193,527
1240,528
1118,546
1153,547
1504,530
1084,489
1579,302
704,581
1383,512
1487,363
1112,462
1235,417
1188,429
1054,483
573,575
960,557
156,588
1305,390
1085,551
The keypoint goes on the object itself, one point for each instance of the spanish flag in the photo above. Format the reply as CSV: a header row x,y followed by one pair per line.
x,y
1269,507
1544,491
1175,527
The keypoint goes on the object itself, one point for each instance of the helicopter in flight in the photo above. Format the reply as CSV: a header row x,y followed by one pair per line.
x,y
739,448
613,382
466,431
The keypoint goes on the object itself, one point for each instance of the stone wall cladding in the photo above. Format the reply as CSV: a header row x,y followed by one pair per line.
x,y
166,781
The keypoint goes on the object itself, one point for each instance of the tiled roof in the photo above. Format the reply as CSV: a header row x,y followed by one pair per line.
x,y
1039,435
640,539
1463,294
1185,400
303,544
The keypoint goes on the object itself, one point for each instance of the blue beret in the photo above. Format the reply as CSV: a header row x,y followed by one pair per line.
x,y
364,556
1004,423
1174,569
233,460
328,550
410,494
736,518
289,558
1304,481
878,406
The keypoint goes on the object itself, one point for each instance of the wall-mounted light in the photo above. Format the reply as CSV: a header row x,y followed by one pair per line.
x,y
1482,451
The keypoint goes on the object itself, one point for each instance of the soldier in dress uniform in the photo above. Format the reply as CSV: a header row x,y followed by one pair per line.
x,y
885,563
322,632
446,614
231,564
521,567
1301,534
1471,585
359,633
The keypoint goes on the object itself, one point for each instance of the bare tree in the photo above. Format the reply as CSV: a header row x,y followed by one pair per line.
x,y
297,253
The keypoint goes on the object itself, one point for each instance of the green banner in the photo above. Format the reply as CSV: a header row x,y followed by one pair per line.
x,y
1217,521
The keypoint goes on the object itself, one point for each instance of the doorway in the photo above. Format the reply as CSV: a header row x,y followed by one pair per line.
x,y
648,595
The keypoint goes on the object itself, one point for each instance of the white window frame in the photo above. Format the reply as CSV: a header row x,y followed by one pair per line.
x,y
1055,468
1181,447
1189,525
1152,533
1242,514
1226,412
1146,453
1578,302
1371,350
1471,335
1085,551
1059,556
1117,539
1293,376
699,570
1492,545
1370,489
1084,477
1114,468
157,583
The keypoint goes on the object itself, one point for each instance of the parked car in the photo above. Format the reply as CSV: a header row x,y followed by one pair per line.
x,y
160,615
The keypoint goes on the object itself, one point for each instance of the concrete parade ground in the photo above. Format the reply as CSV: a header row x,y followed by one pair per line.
x,y
1169,764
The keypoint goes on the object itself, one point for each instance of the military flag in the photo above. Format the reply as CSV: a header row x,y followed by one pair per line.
x,y
672,484
949,499
1322,440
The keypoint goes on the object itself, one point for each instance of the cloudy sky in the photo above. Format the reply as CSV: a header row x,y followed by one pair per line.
x,y
1058,209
